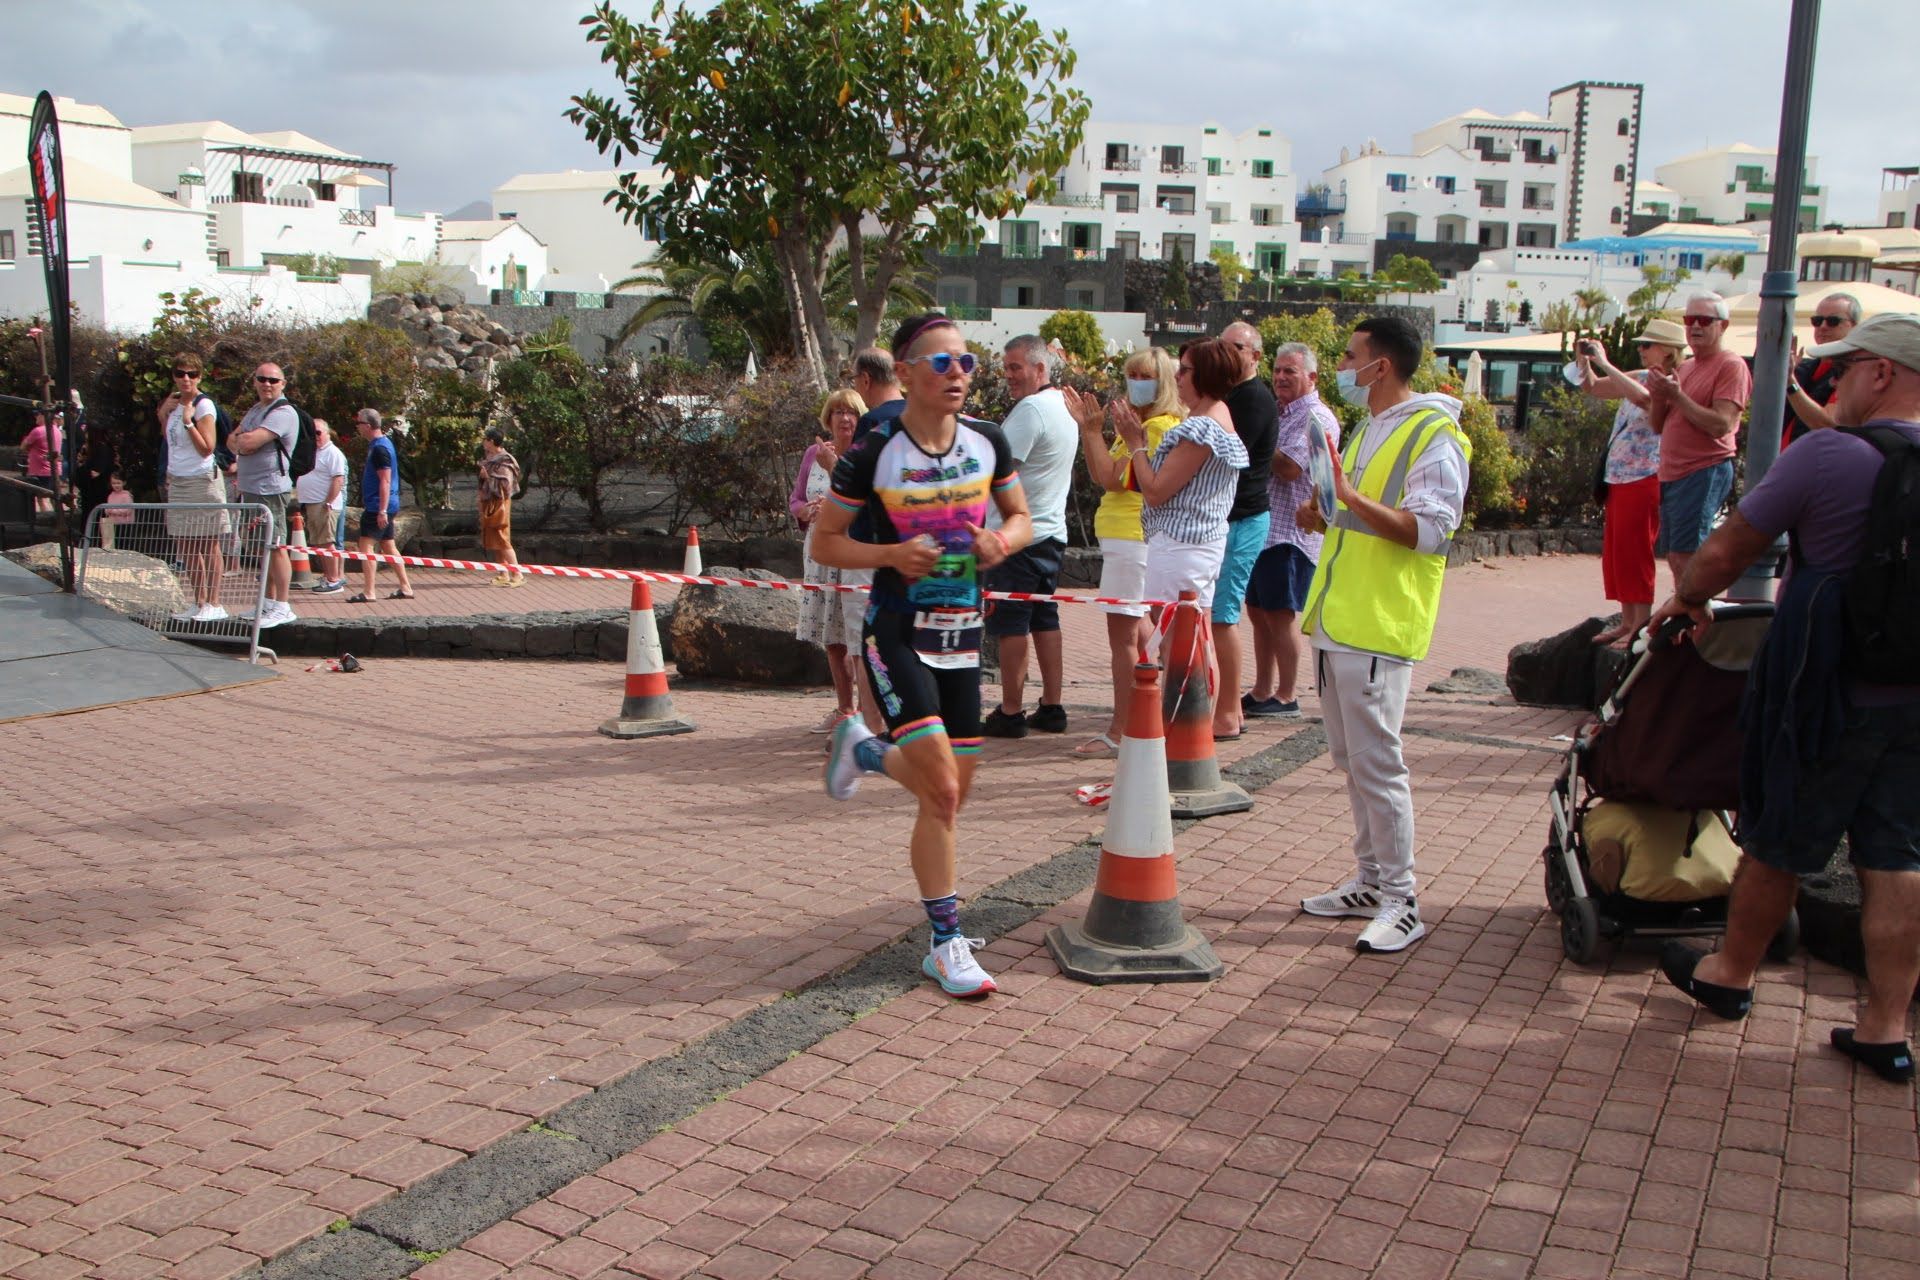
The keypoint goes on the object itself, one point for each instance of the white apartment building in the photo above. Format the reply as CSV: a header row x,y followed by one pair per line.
x,y
1149,191
494,255
128,243
1486,181
278,195
1735,184
589,245
1899,197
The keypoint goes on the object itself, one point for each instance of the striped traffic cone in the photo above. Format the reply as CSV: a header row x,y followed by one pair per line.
x,y
691,565
647,709
1193,775
1133,931
297,540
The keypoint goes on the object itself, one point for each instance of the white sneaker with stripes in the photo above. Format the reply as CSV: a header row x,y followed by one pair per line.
x,y
1396,927
1354,898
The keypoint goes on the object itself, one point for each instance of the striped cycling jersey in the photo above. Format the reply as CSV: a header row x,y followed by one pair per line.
x,y
908,492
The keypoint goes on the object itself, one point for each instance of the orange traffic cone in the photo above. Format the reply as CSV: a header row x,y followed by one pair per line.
x,y
1134,931
297,539
647,709
691,565
1193,775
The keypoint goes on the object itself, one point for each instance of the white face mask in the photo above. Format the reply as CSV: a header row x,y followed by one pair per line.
x,y
1142,392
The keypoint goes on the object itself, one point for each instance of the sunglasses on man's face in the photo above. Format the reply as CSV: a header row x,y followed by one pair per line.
x,y
268,381
1821,322
186,373
1693,320
942,362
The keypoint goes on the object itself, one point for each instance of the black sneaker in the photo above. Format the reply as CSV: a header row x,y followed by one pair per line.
x,y
999,724
1049,718
1262,708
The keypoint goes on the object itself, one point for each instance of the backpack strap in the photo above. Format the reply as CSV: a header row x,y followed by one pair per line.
x,y
279,447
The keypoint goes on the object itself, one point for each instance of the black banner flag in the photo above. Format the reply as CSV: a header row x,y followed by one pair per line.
x,y
50,211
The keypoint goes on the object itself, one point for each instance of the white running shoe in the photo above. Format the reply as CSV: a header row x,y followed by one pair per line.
x,y
1397,927
210,613
951,964
276,612
843,770
1354,898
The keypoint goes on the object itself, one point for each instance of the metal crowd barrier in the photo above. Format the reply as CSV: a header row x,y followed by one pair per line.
x,y
191,571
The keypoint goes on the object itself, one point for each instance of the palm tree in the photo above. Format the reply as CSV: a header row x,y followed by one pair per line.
x,y
1590,300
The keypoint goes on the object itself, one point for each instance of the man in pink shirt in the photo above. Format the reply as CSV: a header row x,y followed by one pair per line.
x,y
1696,411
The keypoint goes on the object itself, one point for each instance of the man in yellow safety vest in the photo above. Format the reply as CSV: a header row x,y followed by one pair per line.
x,y
1399,489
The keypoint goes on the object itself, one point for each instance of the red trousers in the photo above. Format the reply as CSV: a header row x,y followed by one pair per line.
x,y
1626,553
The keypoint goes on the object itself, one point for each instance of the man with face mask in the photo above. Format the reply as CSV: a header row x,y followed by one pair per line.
x,y
1831,747
1400,486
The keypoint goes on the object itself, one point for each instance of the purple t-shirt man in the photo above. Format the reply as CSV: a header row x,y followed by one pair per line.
x,y
1821,489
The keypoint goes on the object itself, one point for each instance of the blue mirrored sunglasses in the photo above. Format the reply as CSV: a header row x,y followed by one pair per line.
x,y
942,362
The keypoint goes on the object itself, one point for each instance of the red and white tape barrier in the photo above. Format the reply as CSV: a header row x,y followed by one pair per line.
x,y
693,579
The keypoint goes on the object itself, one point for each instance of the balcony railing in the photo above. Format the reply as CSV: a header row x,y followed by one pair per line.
x,y
1318,201
1768,188
1541,157
1536,202
1061,200
1401,235
1490,201
356,217
1179,166
1120,164
1492,153
1019,250
1320,235
1087,255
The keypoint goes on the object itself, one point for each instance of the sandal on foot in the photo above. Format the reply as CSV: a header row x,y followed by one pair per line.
x,y
399,595
1892,1062
1678,961
359,597
1099,747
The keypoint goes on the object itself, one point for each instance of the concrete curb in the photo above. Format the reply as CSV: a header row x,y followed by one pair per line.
x,y
441,1212
588,635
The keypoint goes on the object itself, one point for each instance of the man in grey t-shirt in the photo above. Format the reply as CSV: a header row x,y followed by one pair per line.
x,y
263,441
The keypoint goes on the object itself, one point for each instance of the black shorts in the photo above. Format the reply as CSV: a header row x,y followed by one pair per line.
x,y
917,699
370,527
1035,568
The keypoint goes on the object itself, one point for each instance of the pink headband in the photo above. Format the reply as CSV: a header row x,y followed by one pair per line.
x,y
900,349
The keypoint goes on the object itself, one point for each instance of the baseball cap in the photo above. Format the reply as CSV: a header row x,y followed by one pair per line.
x,y
1896,337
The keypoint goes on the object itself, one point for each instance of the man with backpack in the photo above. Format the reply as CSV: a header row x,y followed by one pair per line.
x,y
1832,714
274,445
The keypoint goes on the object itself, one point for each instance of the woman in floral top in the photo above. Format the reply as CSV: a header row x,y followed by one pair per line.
x,y
1632,520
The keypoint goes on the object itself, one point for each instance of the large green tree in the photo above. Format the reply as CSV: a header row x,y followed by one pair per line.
x,y
800,124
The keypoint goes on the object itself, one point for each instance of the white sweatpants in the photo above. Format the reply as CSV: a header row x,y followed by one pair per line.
x,y
1363,700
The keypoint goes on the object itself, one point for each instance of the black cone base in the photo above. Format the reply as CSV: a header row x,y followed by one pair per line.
x,y
1223,797
1190,959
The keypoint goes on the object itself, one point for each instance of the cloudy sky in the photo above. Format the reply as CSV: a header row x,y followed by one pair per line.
x,y
463,94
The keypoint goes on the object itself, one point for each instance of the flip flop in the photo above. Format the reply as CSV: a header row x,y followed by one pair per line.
x,y
400,595
1229,737
359,597
1099,747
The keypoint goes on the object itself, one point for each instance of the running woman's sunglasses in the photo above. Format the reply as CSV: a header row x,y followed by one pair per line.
x,y
942,362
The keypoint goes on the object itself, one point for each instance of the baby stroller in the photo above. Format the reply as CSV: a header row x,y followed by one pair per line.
x,y
1641,842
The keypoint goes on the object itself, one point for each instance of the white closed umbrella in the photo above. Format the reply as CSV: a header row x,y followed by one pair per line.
x,y
753,370
1476,373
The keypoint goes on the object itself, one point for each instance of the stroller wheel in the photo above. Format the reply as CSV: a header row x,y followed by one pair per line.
x,y
1580,930
1786,942
1558,890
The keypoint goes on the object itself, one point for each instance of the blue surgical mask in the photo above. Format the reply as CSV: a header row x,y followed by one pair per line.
x,y
1142,392
1348,382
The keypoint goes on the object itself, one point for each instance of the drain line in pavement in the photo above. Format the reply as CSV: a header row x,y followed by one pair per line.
x,y
444,1211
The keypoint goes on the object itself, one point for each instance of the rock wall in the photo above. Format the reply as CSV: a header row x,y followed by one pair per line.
x,y
447,333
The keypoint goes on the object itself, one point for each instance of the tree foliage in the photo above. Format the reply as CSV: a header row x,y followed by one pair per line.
x,y
1175,291
792,123
1656,289
1078,334
448,417
1410,275
1233,272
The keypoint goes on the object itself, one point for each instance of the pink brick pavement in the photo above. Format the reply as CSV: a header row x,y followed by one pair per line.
x,y
241,1002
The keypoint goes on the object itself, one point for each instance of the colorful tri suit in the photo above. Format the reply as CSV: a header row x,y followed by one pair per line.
x,y
922,638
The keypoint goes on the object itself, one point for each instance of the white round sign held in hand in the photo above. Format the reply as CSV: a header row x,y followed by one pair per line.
x,y
1571,372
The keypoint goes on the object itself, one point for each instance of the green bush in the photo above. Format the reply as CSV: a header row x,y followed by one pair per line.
x,y
1566,432
448,417
1078,334
1493,470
